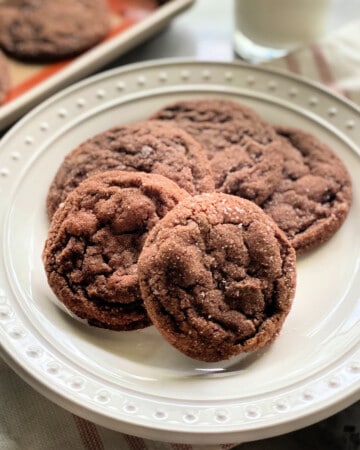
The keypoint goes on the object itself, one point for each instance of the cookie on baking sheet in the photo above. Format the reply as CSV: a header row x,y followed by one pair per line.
x,y
313,196
4,78
217,277
217,123
45,30
152,147
94,241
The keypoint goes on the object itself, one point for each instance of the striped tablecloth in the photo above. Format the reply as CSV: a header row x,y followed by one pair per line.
x,y
29,421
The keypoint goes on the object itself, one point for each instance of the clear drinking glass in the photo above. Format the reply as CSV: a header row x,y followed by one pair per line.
x,y
266,29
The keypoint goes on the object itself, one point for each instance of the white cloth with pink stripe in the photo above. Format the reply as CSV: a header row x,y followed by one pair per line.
x,y
334,62
29,421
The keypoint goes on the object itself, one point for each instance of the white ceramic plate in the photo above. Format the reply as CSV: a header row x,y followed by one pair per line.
x,y
134,381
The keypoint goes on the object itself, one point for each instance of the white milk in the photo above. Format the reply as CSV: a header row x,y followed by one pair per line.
x,y
282,24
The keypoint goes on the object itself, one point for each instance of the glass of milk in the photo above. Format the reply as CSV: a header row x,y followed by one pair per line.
x,y
266,29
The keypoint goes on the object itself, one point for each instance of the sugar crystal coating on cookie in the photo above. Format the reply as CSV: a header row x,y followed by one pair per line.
x,y
45,30
242,148
217,276
294,177
94,241
313,195
152,147
217,123
250,171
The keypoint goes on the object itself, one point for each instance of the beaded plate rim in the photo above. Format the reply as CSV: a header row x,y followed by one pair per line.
x,y
166,419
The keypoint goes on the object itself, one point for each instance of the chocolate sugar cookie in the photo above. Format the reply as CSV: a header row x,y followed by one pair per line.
x,y
217,276
243,149
44,30
218,123
152,147
251,170
4,78
313,196
94,241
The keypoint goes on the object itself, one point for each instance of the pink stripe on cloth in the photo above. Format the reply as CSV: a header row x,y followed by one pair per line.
x,y
292,64
135,443
181,447
322,65
89,434
324,69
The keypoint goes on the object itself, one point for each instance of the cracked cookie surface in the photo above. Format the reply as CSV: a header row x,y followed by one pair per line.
x,y
45,30
313,196
4,78
242,148
218,123
250,171
217,276
94,241
152,147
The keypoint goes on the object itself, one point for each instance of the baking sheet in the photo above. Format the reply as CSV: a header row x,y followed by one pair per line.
x,y
132,22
